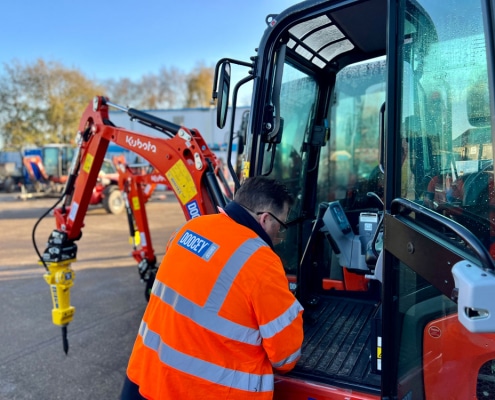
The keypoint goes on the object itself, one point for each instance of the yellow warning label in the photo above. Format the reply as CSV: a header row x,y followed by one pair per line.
x,y
182,182
135,203
379,353
88,162
245,169
136,240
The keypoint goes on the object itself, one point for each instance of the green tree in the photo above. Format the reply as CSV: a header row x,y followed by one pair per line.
x,y
42,103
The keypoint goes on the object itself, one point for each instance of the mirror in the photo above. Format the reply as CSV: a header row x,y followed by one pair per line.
x,y
223,97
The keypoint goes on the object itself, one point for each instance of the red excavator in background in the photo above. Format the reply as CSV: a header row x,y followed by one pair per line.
x,y
137,184
182,157
44,170
46,174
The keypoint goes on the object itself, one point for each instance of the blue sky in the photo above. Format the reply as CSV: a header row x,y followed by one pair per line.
x,y
117,39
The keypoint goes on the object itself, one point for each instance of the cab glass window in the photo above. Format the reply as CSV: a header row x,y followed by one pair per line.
x,y
284,161
297,102
349,164
445,116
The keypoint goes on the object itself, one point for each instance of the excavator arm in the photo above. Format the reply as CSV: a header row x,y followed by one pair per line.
x,y
180,155
137,186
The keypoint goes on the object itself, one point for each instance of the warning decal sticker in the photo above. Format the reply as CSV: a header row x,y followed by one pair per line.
x,y
88,162
182,182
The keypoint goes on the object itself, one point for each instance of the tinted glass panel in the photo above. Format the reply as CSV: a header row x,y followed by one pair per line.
x,y
348,167
446,113
285,160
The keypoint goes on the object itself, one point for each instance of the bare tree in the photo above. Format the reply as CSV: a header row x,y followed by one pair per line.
x,y
122,91
172,82
164,90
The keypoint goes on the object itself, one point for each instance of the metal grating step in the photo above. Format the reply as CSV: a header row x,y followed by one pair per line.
x,y
337,342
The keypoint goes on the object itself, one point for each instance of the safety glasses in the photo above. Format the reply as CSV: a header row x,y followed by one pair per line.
x,y
283,225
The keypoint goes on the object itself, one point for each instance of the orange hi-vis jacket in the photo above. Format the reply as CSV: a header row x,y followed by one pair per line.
x,y
220,318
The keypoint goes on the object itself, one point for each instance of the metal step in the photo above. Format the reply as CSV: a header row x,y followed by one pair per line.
x,y
337,343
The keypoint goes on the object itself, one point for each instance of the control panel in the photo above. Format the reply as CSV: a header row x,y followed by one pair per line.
x,y
349,247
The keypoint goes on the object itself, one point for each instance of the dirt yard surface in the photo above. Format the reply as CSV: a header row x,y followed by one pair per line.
x,y
107,294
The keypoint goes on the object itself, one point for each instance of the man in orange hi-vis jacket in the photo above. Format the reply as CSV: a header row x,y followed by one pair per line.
x,y
221,319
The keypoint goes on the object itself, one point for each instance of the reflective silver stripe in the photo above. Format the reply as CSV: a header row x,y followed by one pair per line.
x,y
283,321
229,272
206,318
293,357
204,369
207,315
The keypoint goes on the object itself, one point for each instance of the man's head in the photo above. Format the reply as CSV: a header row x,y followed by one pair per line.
x,y
268,201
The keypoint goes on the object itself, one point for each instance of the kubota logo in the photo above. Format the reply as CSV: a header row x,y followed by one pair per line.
x,y
147,146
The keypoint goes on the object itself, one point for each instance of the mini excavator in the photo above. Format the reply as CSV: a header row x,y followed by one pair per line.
x,y
181,157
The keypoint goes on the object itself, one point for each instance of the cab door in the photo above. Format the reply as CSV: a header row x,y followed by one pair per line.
x,y
439,196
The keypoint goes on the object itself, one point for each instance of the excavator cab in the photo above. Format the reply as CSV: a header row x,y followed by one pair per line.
x,y
57,159
377,116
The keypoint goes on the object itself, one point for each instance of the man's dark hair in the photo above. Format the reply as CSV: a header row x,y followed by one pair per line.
x,y
260,193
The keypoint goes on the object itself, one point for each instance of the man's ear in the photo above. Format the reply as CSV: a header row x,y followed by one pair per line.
x,y
262,219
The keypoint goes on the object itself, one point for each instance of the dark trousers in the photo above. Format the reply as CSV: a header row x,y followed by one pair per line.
x,y
130,391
